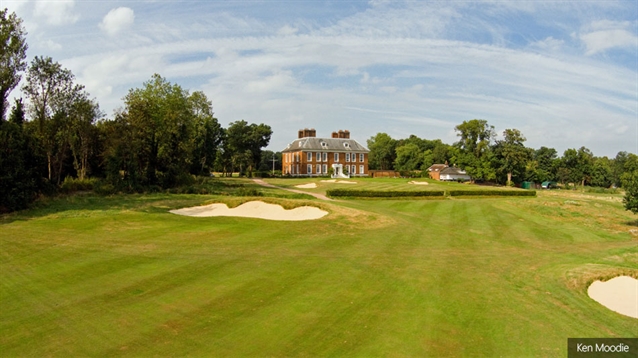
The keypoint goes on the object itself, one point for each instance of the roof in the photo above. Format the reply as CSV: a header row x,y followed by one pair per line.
x,y
453,171
329,145
437,167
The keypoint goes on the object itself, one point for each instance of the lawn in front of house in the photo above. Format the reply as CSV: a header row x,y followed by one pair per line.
x,y
87,275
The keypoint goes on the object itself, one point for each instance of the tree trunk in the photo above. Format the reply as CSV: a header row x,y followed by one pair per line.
x,y
509,178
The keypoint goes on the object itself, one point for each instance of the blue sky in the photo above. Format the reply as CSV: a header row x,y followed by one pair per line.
x,y
565,73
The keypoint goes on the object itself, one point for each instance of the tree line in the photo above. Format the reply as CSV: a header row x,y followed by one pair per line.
x,y
503,161
159,138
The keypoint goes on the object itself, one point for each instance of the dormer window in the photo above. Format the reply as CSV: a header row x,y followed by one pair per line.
x,y
323,144
347,145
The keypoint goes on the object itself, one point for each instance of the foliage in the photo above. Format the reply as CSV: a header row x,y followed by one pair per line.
x,y
491,192
207,137
13,52
52,93
382,152
380,194
510,154
474,153
19,177
576,166
408,157
243,144
630,184
70,185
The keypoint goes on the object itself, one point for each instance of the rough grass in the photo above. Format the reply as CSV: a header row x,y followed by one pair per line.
x,y
111,276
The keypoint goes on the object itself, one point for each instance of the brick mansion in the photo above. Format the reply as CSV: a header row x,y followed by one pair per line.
x,y
337,156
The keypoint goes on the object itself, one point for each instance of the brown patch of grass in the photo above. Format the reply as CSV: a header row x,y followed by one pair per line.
x,y
582,277
594,211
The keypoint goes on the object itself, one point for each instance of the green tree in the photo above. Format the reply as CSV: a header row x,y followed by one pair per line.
x,y
474,152
543,165
382,151
510,154
630,184
208,134
602,173
49,88
578,164
20,178
244,142
82,133
408,157
13,52
161,122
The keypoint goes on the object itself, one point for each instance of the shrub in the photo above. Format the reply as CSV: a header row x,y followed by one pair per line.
x,y
247,192
102,188
381,194
491,192
71,185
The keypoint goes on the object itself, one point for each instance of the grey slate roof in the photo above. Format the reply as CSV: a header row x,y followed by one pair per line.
x,y
331,145
453,171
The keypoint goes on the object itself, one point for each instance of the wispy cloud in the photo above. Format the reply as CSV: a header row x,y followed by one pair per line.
x,y
117,20
396,67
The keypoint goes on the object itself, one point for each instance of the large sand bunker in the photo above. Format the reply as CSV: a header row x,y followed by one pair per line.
x,y
254,209
339,181
306,186
419,182
619,294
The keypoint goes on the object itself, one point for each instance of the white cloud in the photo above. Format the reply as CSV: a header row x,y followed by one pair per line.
x,y
52,45
117,20
600,41
548,44
287,30
56,12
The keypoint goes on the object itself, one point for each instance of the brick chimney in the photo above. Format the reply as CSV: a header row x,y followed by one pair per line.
x,y
304,133
335,135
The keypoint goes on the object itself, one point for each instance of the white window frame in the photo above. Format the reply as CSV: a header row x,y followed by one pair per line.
x,y
362,157
325,156
353,169
309,168
361,169
318,168
310,156
347,157
318,156
325,168
336,157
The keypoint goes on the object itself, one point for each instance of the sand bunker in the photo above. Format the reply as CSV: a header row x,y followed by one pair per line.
x,y
306,186
254,209
619,294
339,181
419,182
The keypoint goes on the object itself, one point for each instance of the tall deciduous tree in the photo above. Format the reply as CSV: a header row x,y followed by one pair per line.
x,y
408,157
382,151
13,52
49,89
244,143
511,154
207,136
160,118
474,149
630,184
576,165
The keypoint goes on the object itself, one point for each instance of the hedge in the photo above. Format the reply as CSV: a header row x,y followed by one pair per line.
x,y
380,194
491,193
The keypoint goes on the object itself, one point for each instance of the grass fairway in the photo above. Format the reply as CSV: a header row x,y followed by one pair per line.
x,y
95,276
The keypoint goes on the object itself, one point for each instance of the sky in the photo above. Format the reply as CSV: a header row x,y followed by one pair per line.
x,y
565,73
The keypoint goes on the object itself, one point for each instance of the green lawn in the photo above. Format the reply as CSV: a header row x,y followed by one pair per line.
x,y
109,276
